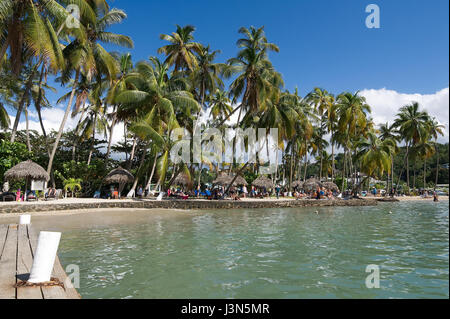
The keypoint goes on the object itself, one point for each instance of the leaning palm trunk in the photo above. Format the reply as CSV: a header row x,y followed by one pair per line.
x,y
22,104
133,151
77,131
437,167
63,123
27,128
152,173
332,160
93,140
111,131
141,164
407,166
424,174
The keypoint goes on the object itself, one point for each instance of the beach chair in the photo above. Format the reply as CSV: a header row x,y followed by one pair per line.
x,y
51,194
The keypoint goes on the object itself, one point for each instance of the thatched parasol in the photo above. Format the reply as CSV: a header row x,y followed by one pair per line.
x,y
223,179
120,176
262,182
311,184
182,179
298,184
27,170
240,181
331,186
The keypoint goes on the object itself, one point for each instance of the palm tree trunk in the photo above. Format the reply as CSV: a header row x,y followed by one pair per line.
x,y
141,164
63,123
77,131
407,166
22,104
437,166
414,174
4,48
37,106
332,160
27,127
111,130
424,173
152,173
133,151
292,166
93,140
234,143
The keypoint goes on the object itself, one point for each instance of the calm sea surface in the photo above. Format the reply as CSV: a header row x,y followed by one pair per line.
x,y
270,253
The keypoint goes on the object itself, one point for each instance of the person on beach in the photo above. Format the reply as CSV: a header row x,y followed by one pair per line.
x,y
139,192
435,197
277,190
244,191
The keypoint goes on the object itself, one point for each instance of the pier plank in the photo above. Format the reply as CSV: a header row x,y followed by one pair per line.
x,y
8,264
24,263
3,231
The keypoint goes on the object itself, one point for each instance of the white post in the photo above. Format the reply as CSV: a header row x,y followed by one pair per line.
x,y
45,256
25,219
160,196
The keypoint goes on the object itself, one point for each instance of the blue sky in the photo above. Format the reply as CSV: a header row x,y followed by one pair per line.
x,y
322,43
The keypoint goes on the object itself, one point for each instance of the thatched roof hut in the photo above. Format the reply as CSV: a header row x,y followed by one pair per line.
x,y
311,184
120,176
223,179
331,186
298,184
27,170
182,179
240,181
262,182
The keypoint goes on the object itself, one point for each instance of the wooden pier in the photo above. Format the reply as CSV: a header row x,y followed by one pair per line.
x,y
17,247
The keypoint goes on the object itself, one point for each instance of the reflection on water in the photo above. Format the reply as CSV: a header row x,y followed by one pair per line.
x,y
271,253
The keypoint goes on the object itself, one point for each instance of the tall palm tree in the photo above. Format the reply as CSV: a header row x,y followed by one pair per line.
x,y
323,103
387,131
353,121
436,129
205,77
181,50
412,125
374,155
89,57
220,105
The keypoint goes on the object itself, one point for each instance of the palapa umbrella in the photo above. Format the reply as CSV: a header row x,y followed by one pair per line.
x,y
311,184
298,184
331,186
120,176
27,170
240,181
182,179
223,179
262,182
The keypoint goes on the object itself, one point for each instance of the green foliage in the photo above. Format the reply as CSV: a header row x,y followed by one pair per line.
x,y
12,154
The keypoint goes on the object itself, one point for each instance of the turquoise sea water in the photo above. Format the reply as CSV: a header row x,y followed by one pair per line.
x,y
270,253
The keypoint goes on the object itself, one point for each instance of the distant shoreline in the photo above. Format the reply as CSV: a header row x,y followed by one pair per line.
x,y
89,203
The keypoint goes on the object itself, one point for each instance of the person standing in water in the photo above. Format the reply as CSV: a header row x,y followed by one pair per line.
x,y
435,197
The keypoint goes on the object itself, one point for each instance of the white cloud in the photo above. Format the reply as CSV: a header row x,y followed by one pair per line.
x,y
386,103
51,118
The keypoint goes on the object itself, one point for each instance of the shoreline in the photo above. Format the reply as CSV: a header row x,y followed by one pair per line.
x,y
74,204
196,204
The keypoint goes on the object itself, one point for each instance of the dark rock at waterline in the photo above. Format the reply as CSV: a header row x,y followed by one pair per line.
x,y
185,204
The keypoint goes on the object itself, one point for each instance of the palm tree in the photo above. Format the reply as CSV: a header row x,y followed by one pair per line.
x,y
374,155
323,103
89,57
205,77
220,105
412,125
387,131
436,129
155,100
352,112
71,184
256,75
180,51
